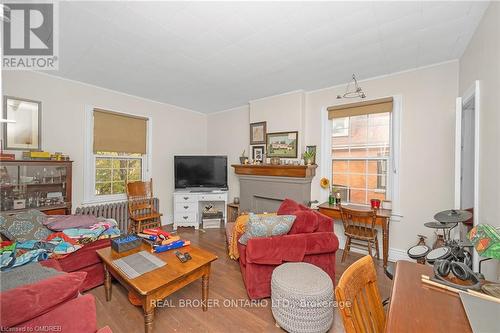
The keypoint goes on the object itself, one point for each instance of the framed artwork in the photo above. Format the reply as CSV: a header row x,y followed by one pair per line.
x,y
312,149
24,132
258,153
258,133
282,144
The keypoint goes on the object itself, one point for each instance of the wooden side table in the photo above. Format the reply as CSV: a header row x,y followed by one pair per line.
x,y
233,211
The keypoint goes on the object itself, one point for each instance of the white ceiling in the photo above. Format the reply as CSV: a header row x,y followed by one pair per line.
x,y
209,56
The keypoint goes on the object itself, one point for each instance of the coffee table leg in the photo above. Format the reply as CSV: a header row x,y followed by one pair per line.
x,y
107,283
149,311
204,291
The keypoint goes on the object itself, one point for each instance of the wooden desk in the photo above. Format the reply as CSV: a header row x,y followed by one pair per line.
x,y
416,307
383,219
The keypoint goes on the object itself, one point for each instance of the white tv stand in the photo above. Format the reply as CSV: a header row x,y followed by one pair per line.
x,y
188,204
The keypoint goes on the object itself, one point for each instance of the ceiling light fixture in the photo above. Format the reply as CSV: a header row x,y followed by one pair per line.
x,y
357,92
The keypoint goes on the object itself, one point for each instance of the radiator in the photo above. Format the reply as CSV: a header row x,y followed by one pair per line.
x,y
116,210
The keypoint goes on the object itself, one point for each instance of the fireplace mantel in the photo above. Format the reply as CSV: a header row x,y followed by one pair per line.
x,y
297,171
264,187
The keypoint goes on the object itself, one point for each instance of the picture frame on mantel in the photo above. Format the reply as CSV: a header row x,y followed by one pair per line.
x,y
282,144
258,133
24,131
258,153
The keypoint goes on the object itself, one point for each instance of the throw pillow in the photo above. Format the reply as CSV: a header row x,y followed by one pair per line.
x,y
24,226
305,222
31,300
288,207
266,226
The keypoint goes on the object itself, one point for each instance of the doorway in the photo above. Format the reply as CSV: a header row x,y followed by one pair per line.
x,y
467,159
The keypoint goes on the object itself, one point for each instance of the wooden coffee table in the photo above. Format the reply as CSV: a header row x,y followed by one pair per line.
x,y
156,285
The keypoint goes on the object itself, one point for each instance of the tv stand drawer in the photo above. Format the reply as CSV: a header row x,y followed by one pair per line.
x,y
212,197
186,207
185,197
184,217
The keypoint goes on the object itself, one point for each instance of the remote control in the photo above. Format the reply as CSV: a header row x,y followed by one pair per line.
x,y
182,258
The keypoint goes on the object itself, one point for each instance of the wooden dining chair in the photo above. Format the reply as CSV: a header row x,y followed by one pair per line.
x,y
141,209
359,299
359,225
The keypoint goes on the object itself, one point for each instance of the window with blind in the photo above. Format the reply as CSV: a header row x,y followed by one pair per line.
x,y
361,150
119,152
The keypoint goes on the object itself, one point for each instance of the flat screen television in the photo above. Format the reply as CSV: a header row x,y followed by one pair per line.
x,y
200,171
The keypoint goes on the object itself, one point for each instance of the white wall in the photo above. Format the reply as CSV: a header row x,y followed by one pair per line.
x,y
175,130
282,113
481,61
427,142
427,136
229,134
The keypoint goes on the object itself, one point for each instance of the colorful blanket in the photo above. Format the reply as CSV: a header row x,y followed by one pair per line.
x,y
56,245
9,259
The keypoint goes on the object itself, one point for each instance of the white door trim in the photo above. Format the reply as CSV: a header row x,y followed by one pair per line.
x,y
473,92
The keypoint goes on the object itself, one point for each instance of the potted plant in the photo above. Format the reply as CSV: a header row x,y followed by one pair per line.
x,y
243,158
308,157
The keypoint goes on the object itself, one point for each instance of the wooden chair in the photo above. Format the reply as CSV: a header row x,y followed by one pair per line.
x,y
141,210
359,225
359,298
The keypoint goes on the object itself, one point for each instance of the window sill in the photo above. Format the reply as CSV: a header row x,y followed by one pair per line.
x,y
105,199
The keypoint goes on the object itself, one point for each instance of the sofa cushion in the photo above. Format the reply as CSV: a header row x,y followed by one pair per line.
x,y
26,274
63,318
266,226
24,226
325,223
305,222
24,303
84,257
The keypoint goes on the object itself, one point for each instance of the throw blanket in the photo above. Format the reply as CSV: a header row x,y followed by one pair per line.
x,y
56,245
9,259
240,227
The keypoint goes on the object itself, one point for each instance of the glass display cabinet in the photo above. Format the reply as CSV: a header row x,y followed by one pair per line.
x,y
42,185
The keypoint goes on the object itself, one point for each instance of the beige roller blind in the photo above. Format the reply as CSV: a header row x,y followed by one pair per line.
x,y
357,109
116,132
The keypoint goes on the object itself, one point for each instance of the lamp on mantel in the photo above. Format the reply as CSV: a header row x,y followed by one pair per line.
x,y
356,93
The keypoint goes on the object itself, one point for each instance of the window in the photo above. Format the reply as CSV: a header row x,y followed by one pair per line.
x,y
360,139
117,153
359,160
113,171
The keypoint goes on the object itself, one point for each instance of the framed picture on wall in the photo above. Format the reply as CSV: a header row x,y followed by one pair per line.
x,y
23,130
282,144
258,153
258,133
312,149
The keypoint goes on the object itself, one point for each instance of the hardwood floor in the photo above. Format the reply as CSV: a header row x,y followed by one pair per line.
x,y
230,311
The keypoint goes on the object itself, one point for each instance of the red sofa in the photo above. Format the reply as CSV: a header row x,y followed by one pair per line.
x,y
310,240
53,304
86,260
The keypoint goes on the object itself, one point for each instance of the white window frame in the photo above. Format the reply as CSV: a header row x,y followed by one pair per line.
x,y
89,170
393,181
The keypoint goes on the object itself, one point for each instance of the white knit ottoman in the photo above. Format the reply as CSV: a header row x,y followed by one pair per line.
x,y
302,298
